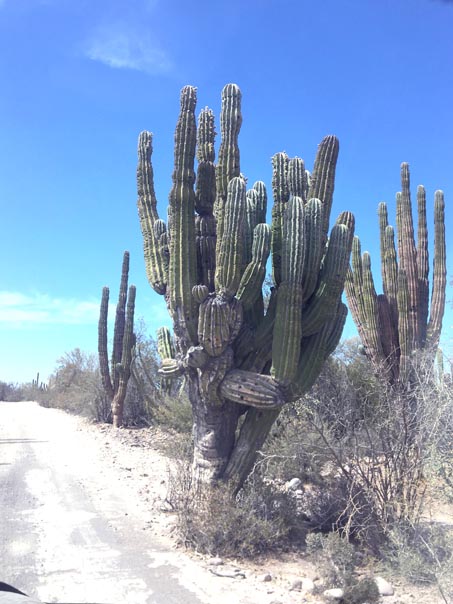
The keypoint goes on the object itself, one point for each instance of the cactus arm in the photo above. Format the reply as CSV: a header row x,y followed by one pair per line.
x,y
228,164
253,389
407,250
297,178
205,233
314,246
219,323
281,195
391,272
123,369
314,351
383,224
102,344
230,246
120,322
370,305
205,193
183,259
251,220
147,210
206,187
322,305
288,322
165,346
322,178
405,336
260,188
439,273
423,265
388,337
255,273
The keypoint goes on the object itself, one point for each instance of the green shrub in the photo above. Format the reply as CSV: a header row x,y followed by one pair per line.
x,y
364,592
335,558
175,413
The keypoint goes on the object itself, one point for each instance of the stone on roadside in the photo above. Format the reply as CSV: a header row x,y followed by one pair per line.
x,y
335,593
292,484
215,562
296,585
265,577
385,589
308,585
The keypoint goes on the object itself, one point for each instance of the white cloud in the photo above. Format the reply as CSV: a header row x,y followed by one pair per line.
x,y
20,310
127,48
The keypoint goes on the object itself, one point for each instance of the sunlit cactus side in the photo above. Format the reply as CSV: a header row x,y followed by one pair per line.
x,y
115,375
242,363
395,324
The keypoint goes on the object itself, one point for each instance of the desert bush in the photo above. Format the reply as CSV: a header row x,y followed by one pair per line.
x,y
368,452
423,555
335,557
175,413
11,392
76,386
365,591
257,520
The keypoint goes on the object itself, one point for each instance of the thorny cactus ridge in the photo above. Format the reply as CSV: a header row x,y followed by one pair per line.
x,y
209,261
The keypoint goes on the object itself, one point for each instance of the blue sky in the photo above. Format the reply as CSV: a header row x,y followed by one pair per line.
x,y
81,78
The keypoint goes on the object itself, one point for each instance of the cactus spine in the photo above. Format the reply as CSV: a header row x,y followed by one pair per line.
x,y
393,325
115,378
238,359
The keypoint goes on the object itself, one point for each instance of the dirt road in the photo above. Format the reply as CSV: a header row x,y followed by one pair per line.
x,y
67,530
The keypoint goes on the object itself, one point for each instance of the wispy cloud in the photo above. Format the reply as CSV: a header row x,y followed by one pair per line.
x,y
22,310
125,47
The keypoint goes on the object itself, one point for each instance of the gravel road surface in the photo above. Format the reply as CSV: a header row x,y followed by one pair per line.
x,y
67,533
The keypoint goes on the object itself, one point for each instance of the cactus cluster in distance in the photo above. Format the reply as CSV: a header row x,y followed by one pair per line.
x,y
116,376
400,321
209,262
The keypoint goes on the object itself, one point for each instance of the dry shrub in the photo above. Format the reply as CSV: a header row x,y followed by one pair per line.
x,y
258,520
174,413
335,558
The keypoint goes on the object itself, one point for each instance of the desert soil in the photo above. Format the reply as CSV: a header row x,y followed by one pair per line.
x,y
85,518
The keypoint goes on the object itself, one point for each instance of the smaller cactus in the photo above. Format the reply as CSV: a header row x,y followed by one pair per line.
x,y
395,324
166,351
115,378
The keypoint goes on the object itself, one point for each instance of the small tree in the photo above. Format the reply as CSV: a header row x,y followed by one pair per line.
x,y
115,378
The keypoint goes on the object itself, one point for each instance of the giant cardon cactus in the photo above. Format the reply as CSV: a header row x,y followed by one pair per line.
x,y
242,362
395,324
115,379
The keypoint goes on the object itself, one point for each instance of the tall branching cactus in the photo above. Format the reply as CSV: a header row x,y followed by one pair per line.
x,y
210,264
393,325
115,378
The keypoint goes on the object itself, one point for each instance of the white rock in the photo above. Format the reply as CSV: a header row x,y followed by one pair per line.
x,y
308,585
334,594
385,589
215,562
292,484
